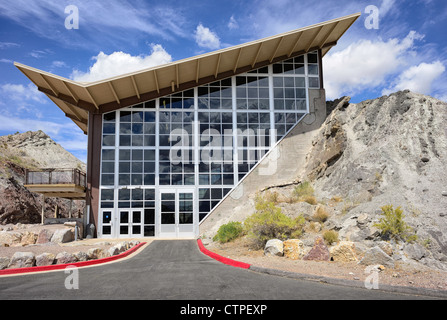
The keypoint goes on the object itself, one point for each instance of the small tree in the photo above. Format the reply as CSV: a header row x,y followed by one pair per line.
x,y
393,225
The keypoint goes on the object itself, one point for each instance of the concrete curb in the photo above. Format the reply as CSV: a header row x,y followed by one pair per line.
x,y
55,267
224,260
340,282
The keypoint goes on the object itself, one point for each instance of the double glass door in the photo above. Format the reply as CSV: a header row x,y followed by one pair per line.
x,y
171,216
176,213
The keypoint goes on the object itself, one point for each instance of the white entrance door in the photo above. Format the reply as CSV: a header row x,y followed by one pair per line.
x,y
130,223
176,213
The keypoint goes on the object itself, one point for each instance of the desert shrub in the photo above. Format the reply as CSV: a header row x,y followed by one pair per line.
x,y
303,189
392,225
228,232
321,215
330,236
304,192
268,222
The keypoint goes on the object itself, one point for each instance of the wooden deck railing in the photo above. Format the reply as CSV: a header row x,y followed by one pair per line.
x,y
56,176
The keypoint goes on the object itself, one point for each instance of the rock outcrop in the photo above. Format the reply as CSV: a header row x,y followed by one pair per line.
x,y
30,150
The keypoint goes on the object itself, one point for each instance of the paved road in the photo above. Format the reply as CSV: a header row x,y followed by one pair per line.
x,y
169,270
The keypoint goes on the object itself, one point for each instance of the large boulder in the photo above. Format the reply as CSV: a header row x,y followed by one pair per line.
x,y
22,260
376,256
319,251
274,247
293,249
62,236
344,251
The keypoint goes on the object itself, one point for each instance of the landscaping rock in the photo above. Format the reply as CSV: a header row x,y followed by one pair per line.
x,y
376,256
44,236
10,238
319,251
4,262
22,260
274,247
81,256
62,236
343,252
65,258
95,253
28,238
45,259
293,249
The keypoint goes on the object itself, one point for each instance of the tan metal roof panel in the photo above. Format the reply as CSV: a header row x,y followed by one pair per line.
x,y
127,89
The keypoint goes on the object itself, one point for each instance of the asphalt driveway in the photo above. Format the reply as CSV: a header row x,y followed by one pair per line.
x,y
175,270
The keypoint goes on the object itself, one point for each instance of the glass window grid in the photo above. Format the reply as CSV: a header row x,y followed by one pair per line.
x,y
255,80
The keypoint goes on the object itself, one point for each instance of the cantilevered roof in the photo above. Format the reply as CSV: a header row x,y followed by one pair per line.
x,y
77,99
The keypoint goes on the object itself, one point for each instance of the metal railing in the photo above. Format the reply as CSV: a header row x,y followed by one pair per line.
x,y
56,176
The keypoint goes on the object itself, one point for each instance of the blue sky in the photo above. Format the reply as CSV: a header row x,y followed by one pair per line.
x,y
408,50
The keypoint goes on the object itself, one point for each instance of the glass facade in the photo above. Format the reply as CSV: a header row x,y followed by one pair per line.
x,y
166,163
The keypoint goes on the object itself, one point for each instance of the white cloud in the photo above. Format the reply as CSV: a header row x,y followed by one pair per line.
x,y
117,63
206,38
418,78
21,93
366,64
232,24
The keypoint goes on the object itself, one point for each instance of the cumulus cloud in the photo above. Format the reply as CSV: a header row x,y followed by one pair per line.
x,y
21,93
206,38
418,78
117,63
366,64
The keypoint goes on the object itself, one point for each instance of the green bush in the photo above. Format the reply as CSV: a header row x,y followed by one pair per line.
x,y
268,222
392,225
228,232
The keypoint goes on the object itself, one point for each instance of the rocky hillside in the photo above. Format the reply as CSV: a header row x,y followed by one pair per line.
x,y
30,150
387,151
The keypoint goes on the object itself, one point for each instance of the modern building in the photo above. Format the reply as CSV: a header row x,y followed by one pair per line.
x,y
167,145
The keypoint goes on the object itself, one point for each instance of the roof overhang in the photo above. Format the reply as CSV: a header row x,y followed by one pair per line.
x,y
77,99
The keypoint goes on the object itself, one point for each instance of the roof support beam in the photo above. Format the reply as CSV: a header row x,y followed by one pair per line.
x,y
177,76
329,34
216,72
257,55
237,60
75,98
313,39
135,85
49,85
296,43
276,49
197,70
114,93
156,82
91,98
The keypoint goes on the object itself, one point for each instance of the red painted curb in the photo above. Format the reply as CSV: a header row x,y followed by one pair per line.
x,y
224,260
75,264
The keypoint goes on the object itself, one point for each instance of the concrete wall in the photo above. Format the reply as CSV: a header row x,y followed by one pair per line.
x,y
282,165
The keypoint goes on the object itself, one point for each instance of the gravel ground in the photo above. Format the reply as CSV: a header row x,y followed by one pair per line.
x,y
402,275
